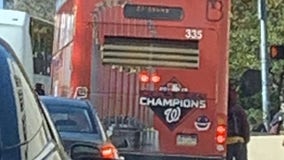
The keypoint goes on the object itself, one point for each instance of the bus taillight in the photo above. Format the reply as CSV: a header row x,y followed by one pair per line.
x,y
144,77
155,78
221,134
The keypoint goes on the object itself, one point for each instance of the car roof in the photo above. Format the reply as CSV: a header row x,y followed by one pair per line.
x,y
52,100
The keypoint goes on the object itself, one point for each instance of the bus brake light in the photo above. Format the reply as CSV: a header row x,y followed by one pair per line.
x,y
221,134
144,77
155,78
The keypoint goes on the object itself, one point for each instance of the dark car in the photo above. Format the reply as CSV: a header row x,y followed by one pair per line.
x,y
78,123
26,130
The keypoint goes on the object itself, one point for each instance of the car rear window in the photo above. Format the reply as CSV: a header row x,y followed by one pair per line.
x,y
71,119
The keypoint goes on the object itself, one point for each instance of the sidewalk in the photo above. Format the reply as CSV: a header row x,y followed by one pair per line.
x,y
266,147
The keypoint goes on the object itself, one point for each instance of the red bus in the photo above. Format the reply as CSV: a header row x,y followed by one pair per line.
x,y
157,71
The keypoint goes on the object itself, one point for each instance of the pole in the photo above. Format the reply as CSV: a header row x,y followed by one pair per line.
x,y
264,62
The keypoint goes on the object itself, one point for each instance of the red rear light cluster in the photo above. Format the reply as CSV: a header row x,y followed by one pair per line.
x,y
145,77
221,134
109,151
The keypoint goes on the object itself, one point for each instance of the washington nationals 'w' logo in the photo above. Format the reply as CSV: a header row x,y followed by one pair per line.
x,y
172,114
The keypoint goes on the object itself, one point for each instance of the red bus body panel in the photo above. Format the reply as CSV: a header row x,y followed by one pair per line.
x,y
77,62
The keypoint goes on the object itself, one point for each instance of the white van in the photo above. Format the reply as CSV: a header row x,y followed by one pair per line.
x,y
14,29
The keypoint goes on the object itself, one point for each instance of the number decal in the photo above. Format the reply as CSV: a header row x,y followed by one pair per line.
x,y
195,34
172,114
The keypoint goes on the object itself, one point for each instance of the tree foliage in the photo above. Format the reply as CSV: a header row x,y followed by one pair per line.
x,y
245,42
244,38
44,9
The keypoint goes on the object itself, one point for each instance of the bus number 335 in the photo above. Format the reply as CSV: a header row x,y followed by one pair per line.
x,y
194,34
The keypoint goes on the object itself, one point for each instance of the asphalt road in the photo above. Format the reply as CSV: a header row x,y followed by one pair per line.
x,y
133,156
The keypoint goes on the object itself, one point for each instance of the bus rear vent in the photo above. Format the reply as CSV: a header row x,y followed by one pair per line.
x,y
126,51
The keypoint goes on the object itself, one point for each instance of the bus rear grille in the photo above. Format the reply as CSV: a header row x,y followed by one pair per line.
x,y
127,51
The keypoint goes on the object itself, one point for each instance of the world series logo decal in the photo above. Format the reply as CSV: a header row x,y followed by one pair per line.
x,y
172,102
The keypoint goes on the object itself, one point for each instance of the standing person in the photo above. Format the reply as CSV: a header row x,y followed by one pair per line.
x,y
277,121
238,128
39,89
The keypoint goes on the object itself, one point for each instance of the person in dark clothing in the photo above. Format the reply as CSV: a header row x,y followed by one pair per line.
x,y
39,89
259,128
277,121
238,128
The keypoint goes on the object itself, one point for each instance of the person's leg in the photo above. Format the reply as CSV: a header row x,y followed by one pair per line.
x,y
241,151
230,152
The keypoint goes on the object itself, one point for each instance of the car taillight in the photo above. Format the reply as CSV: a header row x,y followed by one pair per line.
x,y
109,151
221,132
